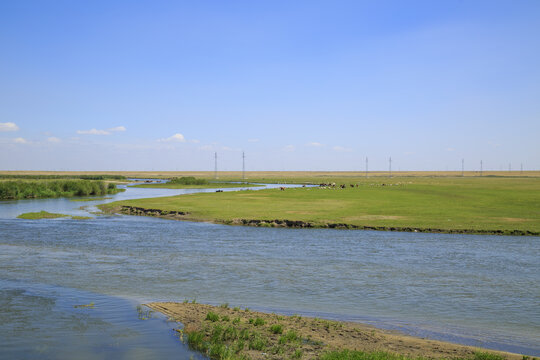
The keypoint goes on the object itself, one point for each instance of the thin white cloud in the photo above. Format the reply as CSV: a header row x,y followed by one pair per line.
x,y
175,138
93,132
118,128
53,139
8,126
101,132
341,149
20,140
314,144
288,148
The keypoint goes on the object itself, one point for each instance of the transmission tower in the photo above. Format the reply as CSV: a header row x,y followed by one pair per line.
x,y
480,167
366,167
243,166
215,166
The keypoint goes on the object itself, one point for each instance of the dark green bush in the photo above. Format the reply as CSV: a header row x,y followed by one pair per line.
x,y
188,180
32,189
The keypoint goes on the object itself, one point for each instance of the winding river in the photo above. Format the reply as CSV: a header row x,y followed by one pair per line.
x,y
73,286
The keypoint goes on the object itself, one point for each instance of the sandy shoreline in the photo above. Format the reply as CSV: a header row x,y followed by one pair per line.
x,y
317,335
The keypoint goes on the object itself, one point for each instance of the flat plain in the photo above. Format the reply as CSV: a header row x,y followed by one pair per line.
x,y
488,204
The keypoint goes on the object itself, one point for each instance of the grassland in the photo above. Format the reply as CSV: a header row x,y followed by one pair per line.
x,y
221,332
443,204
33,189
48,215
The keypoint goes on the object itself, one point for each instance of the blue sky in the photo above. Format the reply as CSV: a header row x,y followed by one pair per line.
x,y
303,85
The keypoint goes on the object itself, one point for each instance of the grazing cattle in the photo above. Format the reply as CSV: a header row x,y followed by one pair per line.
x,y
282,188
219,190
342,186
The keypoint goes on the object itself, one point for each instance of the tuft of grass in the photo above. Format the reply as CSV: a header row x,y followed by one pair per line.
x,y
257,342
236,308
259,321
196,341
225,318
290,336
276,329
244,334
212,316
297,354
224,306
236,321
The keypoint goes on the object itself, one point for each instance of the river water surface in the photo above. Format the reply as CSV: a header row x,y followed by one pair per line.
x,y
472,289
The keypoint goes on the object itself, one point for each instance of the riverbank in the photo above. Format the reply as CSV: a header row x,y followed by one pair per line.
x,y
458,206
256,335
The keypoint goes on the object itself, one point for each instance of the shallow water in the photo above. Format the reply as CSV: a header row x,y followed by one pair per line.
x,y
472,289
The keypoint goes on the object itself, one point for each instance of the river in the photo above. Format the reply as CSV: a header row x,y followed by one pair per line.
x,y
471,289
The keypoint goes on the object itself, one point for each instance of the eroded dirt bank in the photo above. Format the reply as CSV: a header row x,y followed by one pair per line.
x,y
181,215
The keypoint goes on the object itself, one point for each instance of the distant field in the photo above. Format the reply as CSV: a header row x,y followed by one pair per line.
x,y
438,204
280,176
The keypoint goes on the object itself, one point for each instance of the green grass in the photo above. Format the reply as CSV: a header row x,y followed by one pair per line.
x,y
33,189
276,329
48,215
486,204
212,316
290,336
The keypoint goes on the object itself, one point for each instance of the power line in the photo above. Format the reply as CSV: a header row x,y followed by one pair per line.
x,y
366,167
480,167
